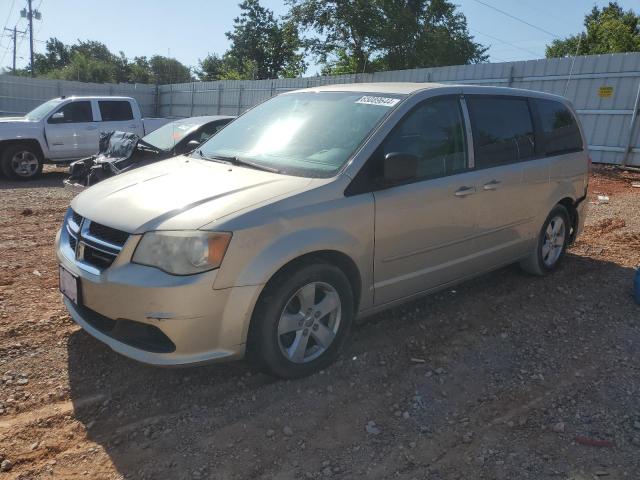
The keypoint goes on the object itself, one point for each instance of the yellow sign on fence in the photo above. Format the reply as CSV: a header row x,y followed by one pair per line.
x,y
605,91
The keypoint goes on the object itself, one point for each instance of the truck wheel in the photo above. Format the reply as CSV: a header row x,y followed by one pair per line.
x,y
551,243
21,162
301,321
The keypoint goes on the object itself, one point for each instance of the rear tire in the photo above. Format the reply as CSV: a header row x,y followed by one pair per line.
x,y
551,243
21,162
301,321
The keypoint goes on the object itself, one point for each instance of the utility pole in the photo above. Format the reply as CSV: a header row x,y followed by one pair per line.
x,y
30,14
14,34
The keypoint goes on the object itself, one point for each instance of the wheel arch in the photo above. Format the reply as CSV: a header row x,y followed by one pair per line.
x,y
571,206
334,257
32,142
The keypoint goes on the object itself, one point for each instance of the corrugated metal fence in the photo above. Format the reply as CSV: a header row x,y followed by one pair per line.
x,y
604,88
18,95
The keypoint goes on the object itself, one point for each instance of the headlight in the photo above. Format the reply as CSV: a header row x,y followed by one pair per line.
x,y
182,252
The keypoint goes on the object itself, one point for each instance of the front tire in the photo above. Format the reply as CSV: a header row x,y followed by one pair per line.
x,y
21,162
301,321
551,243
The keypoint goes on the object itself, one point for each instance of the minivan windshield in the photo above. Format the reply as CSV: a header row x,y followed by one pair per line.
x,y
168,135
40,112
310,134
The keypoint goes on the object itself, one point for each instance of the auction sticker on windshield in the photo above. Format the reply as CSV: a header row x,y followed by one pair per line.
x,y
382,101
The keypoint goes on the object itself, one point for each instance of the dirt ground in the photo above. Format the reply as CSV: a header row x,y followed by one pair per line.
x,y
505,377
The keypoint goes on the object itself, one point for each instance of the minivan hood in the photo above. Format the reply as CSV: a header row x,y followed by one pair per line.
x,y
180,193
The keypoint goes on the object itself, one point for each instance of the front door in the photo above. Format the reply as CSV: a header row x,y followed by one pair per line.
x,y
71,132
425,229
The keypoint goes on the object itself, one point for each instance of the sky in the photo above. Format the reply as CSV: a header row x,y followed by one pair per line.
x,y
190,29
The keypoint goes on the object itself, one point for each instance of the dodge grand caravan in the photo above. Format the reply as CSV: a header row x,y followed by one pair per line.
x,y
318,206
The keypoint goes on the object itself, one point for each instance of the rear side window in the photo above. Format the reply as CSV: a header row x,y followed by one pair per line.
x,y
434,133
115,110
560,132
502,130
74,112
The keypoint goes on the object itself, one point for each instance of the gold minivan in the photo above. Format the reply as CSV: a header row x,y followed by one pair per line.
x,y
318,206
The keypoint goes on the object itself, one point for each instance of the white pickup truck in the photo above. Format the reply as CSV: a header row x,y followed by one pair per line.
x,y
65,129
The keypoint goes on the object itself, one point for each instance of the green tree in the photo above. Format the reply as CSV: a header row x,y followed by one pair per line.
x,y
91,61
94,50
345,31
168,70
426,34
261,46
83,68
370,35
212,67
57,55
140,71
607,30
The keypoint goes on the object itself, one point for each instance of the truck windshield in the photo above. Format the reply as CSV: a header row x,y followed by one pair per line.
x,y
40,112
168,135
310,134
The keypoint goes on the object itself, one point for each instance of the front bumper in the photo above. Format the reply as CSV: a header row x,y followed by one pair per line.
x,y
201,323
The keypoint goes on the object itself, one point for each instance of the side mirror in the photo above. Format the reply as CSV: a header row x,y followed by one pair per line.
x,y
57,117
399,167
192,145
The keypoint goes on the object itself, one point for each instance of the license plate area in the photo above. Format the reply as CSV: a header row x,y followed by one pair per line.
x,y
69,285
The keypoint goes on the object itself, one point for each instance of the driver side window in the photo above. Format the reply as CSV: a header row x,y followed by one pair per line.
x,y
434,133
75,112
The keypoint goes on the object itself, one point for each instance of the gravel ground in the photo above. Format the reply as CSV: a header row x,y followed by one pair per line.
x,y
505,377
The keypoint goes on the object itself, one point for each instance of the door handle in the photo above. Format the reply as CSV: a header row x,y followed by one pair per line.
x,y
492,185
464,191
133,126
92,128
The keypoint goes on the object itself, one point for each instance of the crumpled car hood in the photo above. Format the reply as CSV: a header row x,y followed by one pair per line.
x,y
180,193
116,145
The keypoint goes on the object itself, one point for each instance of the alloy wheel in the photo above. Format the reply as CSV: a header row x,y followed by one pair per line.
x,y
554,241
309,322
24,164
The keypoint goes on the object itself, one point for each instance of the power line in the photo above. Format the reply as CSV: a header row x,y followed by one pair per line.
x,y
517,18
24,36
14,32
531,52
13,3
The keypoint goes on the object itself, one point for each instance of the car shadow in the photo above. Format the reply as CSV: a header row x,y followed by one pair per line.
x,y
49,179
121,402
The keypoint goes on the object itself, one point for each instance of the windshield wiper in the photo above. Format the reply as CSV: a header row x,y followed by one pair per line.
x,y
233,160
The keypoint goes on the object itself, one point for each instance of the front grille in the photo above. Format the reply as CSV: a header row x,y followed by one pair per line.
x,y
76,217
111,235
93,243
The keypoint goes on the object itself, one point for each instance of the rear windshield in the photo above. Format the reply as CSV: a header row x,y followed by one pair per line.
x,y
310,134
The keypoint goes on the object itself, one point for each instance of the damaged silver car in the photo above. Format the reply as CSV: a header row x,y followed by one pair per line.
x,y
123,151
